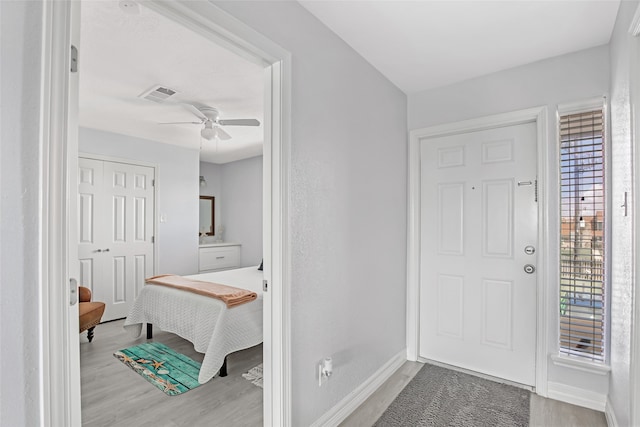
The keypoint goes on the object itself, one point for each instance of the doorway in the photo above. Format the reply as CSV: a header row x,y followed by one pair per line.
x,y
62,397
466,190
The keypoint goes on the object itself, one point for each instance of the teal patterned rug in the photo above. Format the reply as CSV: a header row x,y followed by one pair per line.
x,y
171,372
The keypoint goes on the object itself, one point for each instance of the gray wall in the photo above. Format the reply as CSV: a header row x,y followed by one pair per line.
x,y
563,79
347,207
177,192
237,187
622,227
20,352
242,207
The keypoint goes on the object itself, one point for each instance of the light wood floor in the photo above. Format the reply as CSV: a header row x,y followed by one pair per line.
x,y
114,395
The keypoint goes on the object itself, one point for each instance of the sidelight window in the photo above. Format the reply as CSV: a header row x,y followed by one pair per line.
x,y
582,235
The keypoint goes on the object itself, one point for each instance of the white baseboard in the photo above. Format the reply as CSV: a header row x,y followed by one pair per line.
x,y
611,415
353,400
577,396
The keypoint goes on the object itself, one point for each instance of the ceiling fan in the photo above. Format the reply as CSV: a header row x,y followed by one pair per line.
x,y
211,123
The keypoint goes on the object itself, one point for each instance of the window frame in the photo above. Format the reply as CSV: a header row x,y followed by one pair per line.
x,y
558,357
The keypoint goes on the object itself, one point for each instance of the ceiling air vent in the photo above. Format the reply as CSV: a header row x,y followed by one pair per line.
x,y
158,94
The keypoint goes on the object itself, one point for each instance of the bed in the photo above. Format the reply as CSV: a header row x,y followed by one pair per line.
x,y
214,329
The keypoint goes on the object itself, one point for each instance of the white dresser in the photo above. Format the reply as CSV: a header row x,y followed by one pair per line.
x,y
218,256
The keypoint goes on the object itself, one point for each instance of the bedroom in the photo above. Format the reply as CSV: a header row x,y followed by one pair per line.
x,y
122,129
337,190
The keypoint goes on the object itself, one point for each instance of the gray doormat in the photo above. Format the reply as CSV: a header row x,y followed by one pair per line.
x,y
441,397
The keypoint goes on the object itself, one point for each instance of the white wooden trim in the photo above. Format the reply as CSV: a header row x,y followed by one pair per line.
x,y
60,373
577,396
537,115
413,250
544,263
580,365
353,400
610,415
277,313
115,159
582,105
634,65
477,124
61,398
223,29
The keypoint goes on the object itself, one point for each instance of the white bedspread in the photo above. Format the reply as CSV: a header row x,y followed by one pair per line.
x,y
214,329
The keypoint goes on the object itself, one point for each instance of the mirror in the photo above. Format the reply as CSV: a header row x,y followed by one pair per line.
x,y
207,215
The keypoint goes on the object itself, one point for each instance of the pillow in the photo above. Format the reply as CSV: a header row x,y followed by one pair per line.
x,y
260,268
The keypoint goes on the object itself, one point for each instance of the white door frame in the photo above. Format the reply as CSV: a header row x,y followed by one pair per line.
x,y
537,115
60,386
634,69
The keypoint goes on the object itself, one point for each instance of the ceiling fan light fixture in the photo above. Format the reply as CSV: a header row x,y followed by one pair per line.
x,y
208,132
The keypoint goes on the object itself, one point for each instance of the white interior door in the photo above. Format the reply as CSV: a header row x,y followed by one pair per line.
x,y
91,233
478,214
116,231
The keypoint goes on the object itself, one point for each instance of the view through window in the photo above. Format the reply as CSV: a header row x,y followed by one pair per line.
x,y
582,249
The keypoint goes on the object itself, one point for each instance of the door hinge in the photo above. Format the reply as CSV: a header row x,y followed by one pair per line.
x,y
536,192
153,239
73,295
74,59
153,182
265,285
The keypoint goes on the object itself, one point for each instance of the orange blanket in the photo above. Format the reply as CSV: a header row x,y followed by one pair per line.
x,y
228,294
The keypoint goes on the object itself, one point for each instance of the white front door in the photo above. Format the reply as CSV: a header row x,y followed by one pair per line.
x,y
478,214
116,211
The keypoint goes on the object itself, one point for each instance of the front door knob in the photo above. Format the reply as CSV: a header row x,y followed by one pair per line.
x,y
529,269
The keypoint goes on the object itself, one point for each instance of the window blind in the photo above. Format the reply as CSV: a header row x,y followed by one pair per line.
x,y
582,249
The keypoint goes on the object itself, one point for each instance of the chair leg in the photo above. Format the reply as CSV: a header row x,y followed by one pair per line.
x,y
90,333
223,368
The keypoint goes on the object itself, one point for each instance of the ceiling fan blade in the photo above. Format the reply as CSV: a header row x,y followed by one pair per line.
x,y
222,135
239,122
195,111
180,123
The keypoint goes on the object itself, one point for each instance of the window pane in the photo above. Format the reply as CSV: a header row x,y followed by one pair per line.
x,y
582,252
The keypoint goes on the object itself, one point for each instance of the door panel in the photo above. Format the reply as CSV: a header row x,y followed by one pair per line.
x,y
497,321
497,215
478,212
90,233
451,306
450,218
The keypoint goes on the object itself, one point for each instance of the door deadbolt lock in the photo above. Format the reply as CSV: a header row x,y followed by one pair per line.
x,y
529,269
529,250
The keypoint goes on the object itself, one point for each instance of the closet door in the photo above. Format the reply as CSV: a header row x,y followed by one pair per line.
x,y
128,250
120,254
91,233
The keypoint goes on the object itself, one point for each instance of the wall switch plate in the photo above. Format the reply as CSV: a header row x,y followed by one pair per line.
x,y
325,370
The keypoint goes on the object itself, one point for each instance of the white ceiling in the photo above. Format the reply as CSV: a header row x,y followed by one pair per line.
x,y
423,44
418,45
123,55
